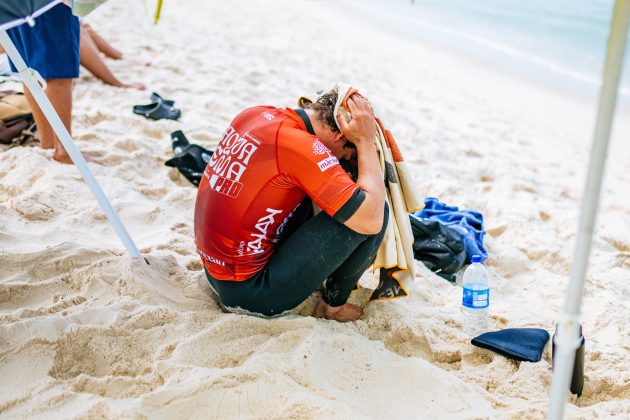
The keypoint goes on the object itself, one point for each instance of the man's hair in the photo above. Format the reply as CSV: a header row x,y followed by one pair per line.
x,y
325,109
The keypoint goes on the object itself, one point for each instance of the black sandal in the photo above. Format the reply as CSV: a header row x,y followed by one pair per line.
x,y
155,97
158,111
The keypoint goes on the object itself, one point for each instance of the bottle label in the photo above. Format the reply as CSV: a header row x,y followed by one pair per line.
x,y
476,298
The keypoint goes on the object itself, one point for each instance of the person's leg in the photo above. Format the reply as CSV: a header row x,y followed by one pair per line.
x,y
340,284
320,248
59,92
93,62
44,131
51,47
100,43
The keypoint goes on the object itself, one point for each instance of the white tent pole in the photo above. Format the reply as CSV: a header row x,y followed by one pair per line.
x,y
567,334
31,80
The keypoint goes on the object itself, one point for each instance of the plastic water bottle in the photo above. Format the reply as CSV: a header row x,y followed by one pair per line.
x,y
476,297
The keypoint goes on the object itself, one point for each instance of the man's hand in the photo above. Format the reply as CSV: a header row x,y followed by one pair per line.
x,y
362,127
361,130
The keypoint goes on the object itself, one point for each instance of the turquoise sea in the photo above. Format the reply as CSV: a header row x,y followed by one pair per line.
x,y
563,41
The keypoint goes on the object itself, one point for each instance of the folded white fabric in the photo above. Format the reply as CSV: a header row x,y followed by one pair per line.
x,y
395,255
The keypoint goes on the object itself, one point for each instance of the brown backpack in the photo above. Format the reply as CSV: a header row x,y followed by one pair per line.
x,y
16,120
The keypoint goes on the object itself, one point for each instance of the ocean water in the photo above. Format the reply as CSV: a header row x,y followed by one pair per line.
x,y
563,41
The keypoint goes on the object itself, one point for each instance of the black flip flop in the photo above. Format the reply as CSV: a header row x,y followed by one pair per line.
x,y
155,97
157,111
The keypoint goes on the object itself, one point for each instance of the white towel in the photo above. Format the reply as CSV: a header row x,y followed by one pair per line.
x,y
395,255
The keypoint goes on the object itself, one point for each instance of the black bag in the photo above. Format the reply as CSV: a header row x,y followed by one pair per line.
x,y
439,247
190,159
17,130
16,120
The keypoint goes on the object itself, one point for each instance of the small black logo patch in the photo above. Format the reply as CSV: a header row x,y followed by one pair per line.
x,y
388,287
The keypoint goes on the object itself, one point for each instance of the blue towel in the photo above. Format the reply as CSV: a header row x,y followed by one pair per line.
x,y
468,223
524,344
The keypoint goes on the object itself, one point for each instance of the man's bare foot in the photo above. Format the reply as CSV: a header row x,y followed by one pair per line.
x,y
344,313
63,158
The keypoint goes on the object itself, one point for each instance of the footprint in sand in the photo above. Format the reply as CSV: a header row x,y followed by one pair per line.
x,y
447,355
605,389
152,132
182,228
552,260
621,246
60,306
182,251
127,145
99,116
31,209
5,293
230,341
497,231
478,357
194,266
116,362
154,193
501,322
407,342
117,387
101,352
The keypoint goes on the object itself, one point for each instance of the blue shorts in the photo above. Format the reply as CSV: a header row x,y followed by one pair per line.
x,y
51,46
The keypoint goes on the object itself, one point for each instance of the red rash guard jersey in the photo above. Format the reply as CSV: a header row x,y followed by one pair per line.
x,y
262,169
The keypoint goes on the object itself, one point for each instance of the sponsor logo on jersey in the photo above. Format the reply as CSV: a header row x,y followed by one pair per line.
x,y
327,163
320,149
224,185
229,162
262,226
211,259
252,138
241,249
267,115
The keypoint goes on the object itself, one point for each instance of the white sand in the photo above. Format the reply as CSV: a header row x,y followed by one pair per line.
x,y
86,331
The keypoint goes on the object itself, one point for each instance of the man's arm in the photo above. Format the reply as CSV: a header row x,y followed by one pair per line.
x,y
361,130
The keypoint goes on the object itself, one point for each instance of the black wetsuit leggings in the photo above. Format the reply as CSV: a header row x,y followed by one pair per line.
x,y
312,250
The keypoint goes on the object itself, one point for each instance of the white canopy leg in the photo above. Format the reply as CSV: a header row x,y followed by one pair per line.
x,y
568,328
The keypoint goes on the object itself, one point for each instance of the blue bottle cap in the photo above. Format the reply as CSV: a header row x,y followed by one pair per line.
x,y
476,258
